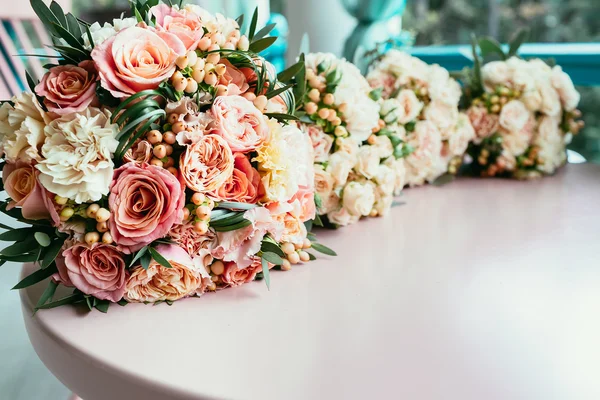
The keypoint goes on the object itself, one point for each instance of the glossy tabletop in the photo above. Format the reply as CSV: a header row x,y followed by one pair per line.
x,y
478,290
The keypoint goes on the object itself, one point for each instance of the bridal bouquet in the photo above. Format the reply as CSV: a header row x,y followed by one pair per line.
x,y
355,170
419,106
524,113
155,160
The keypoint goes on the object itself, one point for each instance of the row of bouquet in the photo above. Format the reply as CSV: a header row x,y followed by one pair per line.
x,y
162,157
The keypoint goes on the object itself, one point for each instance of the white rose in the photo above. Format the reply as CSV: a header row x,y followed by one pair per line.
x,y
361,116
514,116
397,165
549,128
444,116
102,33
349,146
384,146
385,179
77,155
383,202
339,166
551,144
409,106
358,198
427,142
550,100
342,217
563,84
515,143
368,161
22,128
321,141
496,73
462,134
442,87
532,100
404,66
521,73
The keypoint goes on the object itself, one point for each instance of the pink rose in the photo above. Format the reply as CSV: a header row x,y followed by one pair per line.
x,y
98,270
184,24
23,187
69,88
484,123
321,142
234,79
239,122
207,164
244,186
146,201
234,276
136,59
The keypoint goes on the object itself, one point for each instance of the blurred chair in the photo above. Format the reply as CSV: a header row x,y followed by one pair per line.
x,y
21,33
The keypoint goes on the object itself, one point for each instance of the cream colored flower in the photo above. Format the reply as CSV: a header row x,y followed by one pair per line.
x,y
22,128
384,146
444,116
563,84
349,146
339,166
383,202
368,161
514,116
358,198
385,179
397,165
532,100
496,73
77,155
101,33
342,217
552,146
408,106
461,135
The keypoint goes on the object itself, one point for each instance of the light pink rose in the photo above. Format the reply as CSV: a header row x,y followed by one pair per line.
x,y
235,276
146,201
69,88
321,142
22,185
305,196
244,186
409,106
484,123
184,24
514,116
239,122
207,164
240,246
136,59
381,79
97,270
234,79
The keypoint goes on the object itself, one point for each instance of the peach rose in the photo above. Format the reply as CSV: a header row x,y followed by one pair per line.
x,y
98,270
140,153
159,283
136,59
514,116
321,142
146,201
235,276
244,186
484,123
23,187
239,122
234,79
207,164
197,245
185,25
69,88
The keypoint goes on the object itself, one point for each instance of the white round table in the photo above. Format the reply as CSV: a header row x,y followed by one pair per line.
x,y
481,289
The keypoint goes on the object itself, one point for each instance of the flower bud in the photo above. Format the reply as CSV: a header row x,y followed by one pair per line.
x,y
160,151
261,102
107,238
204,43
314,95
192,86
217,268
91,238
92,210
169,137
102,215
154,137
310,108
192,58
66,213
243,44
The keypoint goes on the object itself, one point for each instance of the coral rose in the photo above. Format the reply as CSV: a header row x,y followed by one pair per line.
x,y
243,186
159,283
239,122
22,185
234,276
97,270
136,59
207,164
185,25
69,88
146,201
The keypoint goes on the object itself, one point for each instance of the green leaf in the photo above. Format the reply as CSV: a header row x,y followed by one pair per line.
x,y
253,24
138,16
318,221
74,298
272,258
266,274
89,36
323,249
517,41
234,219
6,227
58,13
240,21
262,44
278,91
489,46
15,235
36,277
230,228
233,205
311,256
42,238
29,257
69,38
44,14
102,305
159,258
74,27
280,116
48,293
145,260
89,302
271,248
375,94
263,32
52,252
122,302
138,255
443,179
19,248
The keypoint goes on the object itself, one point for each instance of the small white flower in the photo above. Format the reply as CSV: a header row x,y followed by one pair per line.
x,y
102,33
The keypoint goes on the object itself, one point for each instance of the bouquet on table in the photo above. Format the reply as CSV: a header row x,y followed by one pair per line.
x,y
419,106
356,172
155,161
524,113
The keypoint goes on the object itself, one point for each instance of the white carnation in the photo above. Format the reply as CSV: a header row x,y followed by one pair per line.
x,y
77,155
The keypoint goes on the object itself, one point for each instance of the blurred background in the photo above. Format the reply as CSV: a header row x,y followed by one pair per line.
x,y
343,27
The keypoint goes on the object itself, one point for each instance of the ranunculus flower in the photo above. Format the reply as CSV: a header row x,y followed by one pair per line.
x,y
77,155
197,245
243,186
159,283
368,161
324,185
234,79
321,141
22,185
136,59
207,164
69,88
239,122
185,25
514,116
146,201
235,276
358,198
98,270
408,106
339,166
485,124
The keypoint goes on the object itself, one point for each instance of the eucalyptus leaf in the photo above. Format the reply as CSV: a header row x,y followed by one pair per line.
x,y
311,256
489,46
273,258
232,205
263,32
102,306
159,258
48,293
74,298
52,252
262,44
266,274
16,235
278,91
516,42
443,179
19,248
42,238
288,74
6,226
323,249
253,23
36,277
138,255
230,228
145,260
272,248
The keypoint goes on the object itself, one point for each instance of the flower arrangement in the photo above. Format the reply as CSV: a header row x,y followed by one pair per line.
x,y
419,106
356,172
155,161
524,113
